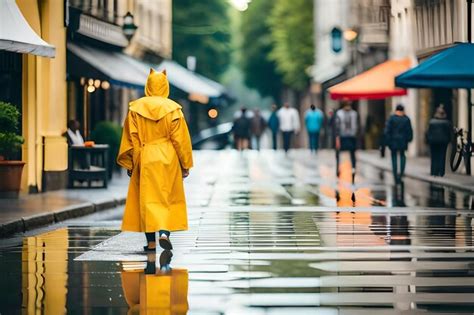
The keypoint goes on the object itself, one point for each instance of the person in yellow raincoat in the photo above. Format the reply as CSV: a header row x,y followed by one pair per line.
x,y
156,151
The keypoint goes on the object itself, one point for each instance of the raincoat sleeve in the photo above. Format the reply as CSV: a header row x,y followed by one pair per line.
x,y
129,141
181,139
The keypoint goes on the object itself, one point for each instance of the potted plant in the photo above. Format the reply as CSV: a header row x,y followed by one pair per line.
x,y
10,146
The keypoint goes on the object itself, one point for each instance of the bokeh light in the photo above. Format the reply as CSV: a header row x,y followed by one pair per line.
x,y
213,113
240,5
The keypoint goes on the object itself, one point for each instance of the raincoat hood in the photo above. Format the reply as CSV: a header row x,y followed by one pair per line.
x,y
156,104
157,84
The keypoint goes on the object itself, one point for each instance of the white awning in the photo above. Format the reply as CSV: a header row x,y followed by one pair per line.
x,y
16,34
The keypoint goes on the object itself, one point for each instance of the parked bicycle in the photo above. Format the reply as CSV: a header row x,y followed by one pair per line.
x,y
461,149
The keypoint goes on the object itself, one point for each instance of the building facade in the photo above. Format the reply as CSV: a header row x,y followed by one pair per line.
x,y
331,64
420,29
371,21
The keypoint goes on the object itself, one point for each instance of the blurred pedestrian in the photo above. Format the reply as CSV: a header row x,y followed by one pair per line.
x,y
346,130
274,125
313,121
74,138
438,137
289,124
241,130
156,151
398,133
331,129
257,127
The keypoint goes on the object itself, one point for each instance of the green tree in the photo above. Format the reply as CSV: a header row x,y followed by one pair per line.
x,y
201,29
260,72
291,26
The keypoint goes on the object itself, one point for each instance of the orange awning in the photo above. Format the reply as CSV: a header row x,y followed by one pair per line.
x,y
376,83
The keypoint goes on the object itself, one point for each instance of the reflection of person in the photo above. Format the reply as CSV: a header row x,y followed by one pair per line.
x,y
346,129
289,124
438,137
313,121
399,230
274,125
73,133
241,130
399,195
257,126
398,133
155,291
156,151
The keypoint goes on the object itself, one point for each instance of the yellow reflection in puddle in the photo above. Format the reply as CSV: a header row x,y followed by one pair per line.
x,y
155,292
44,273
352,227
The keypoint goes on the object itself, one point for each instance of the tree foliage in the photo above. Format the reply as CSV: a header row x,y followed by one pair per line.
x,y
260,72
201,29
291,26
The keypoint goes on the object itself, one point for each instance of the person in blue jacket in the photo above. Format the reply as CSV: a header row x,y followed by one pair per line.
x,y
313,120
274,125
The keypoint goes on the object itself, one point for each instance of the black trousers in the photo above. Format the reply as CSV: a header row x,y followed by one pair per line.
x,y
353,159
398,172
438,159
287,135
274,139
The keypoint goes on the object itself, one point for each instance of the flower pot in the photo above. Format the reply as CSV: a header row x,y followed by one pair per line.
x,y
10,174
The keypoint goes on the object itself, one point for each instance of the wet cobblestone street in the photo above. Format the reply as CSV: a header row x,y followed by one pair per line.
x,y
269,234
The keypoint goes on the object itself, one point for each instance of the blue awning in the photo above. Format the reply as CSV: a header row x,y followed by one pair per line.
x,y
450,68
116,67
123,70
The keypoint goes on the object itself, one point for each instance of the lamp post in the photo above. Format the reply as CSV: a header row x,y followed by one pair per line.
x,y
129,28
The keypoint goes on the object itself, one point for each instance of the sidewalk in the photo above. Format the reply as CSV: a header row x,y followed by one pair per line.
x,y
35,210
419,168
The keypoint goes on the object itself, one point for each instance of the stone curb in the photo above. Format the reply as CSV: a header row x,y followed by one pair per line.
x,y
422,177
28,223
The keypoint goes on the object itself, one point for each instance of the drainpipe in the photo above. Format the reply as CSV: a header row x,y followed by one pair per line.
x,y
469,96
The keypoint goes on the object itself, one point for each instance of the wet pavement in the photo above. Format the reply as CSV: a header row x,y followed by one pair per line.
x,y
268,234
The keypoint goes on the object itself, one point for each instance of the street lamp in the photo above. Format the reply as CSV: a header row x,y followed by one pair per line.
x,y
350,35
129,28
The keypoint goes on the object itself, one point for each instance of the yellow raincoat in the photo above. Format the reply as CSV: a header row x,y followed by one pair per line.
x,y
156,146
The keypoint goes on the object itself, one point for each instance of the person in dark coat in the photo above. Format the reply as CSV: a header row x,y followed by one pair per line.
x,y
398,133
241,130
438,137
274,125
257,127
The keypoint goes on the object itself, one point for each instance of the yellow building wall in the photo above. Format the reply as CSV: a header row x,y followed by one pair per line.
x,y
44,94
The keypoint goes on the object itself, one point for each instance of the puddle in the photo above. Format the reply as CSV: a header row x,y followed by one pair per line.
x,y
376,262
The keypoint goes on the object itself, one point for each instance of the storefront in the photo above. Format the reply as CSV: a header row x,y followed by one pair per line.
x,y
375,87
37,86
